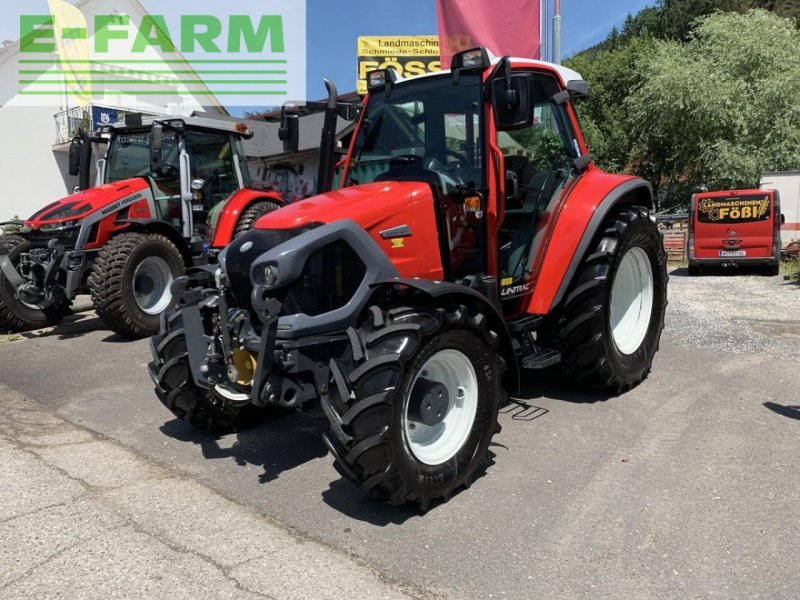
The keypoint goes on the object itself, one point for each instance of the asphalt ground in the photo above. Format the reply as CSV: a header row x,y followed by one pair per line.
x,y
687,486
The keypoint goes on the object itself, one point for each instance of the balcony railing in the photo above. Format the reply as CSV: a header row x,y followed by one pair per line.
x,y
89,117
68,122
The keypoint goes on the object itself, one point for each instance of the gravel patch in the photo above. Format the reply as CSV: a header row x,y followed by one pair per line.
x,y
744,314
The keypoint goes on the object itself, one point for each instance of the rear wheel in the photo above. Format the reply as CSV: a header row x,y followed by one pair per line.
x,y
694,270
610,326
130,282
16,315
772,270
252,214
178,392
413,403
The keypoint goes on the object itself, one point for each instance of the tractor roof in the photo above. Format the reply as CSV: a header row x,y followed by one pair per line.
x,y
565,73
237,127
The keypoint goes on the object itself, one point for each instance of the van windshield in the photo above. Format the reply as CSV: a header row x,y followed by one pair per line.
x,y
739,209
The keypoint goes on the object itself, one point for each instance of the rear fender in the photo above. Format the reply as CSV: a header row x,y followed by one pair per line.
x,y
579,221
451,295
234,207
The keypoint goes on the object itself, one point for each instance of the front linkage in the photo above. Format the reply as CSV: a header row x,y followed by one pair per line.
x,y
411,381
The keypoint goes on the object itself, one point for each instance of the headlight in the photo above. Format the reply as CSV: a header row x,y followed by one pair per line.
x,y
270,275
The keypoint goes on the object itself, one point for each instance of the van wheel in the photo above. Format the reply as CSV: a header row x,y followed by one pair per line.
x,y
772,270
694,270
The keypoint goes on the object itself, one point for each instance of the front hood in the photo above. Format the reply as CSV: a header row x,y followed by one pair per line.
x,y
366,204
82,204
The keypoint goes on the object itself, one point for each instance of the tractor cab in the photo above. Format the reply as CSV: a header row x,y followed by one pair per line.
x,y
496,169
192,165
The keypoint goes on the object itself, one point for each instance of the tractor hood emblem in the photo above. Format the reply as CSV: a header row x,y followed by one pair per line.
x,y
246,246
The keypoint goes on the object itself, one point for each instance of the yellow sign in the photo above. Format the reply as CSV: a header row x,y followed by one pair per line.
x,y
409,55
731,210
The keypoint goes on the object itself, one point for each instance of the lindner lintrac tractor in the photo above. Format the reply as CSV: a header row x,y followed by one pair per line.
x,y
167,190
471,242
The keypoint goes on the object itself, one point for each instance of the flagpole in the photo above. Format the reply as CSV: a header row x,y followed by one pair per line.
x,y
545,17
557,33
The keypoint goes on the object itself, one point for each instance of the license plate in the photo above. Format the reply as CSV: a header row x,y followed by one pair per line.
x,y
733,252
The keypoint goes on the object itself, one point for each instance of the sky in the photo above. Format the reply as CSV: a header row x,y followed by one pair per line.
x,y
333,27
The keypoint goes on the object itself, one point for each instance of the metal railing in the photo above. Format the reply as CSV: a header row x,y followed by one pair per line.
x,y
68,122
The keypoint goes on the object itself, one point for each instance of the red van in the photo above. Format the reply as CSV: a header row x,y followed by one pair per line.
x,y
735,228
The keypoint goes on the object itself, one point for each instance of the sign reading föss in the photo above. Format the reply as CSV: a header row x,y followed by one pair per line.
x,y
409,55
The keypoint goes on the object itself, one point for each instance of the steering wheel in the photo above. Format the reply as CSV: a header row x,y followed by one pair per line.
x,y
167,170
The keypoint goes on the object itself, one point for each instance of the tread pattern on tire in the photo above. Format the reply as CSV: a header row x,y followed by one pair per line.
x,y
362,397
581,327
177,391
105,280
252,214
12,322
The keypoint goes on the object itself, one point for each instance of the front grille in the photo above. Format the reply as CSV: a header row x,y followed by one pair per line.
x,y
330,278
238,262
65,237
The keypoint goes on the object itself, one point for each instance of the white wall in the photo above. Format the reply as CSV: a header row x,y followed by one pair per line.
x,y
788,186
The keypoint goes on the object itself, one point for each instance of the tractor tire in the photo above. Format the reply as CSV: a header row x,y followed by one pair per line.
x,y
130,282
393,434
14,315
252,214
178,392
609,328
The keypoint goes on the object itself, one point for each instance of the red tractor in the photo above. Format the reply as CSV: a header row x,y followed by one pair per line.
x,y
471,242
168,190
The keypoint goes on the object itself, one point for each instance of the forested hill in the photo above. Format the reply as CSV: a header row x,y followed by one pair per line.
x,y
696,94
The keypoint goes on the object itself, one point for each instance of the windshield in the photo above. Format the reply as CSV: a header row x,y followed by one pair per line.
x,y
129,154
429,128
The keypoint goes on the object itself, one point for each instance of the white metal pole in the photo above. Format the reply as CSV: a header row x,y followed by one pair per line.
x,y
545,17
557,33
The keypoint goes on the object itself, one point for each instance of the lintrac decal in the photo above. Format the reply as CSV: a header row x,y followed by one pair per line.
x,y
741,209
519,289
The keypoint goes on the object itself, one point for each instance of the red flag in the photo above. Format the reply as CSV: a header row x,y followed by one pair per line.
x,y
506,27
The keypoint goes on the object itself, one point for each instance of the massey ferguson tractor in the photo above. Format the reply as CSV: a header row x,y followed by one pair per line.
x,y
470,243
167,190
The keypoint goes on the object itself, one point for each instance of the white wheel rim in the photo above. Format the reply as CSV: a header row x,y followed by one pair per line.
x,y
632,301
436,444
151,285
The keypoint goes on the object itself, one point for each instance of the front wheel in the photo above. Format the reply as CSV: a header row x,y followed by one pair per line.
x,y
16,315
413,403
610,325
130,282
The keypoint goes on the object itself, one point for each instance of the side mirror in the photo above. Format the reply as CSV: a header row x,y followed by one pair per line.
x,y
156,138
512,102
289,132
75,148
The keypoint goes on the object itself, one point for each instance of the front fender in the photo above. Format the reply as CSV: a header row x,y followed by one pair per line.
x,y
456,294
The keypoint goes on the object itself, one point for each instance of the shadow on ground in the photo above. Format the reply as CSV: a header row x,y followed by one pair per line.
x,y
289,440
72,327
793,412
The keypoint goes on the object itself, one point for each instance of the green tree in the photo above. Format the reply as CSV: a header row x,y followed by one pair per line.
x,y
717,111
